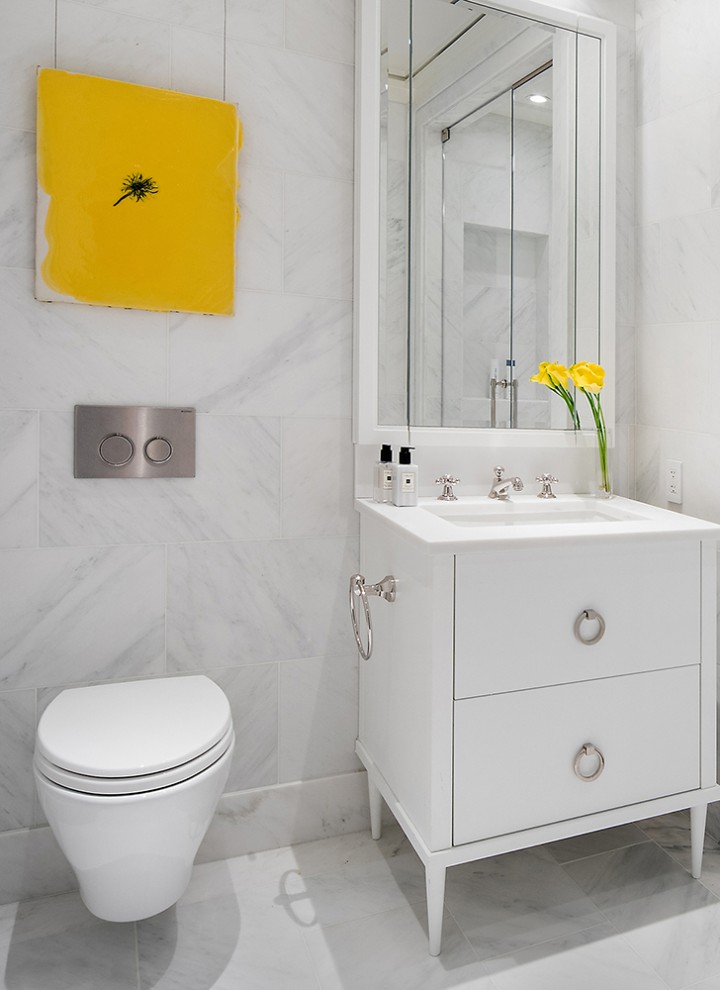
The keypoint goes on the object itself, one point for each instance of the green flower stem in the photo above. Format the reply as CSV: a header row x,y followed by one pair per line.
x,y
568,400
596,407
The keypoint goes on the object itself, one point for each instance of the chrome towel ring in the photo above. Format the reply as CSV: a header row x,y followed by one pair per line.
x,y
384,589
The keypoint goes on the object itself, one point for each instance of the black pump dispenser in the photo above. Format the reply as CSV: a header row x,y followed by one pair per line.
x,y
383,475
405,457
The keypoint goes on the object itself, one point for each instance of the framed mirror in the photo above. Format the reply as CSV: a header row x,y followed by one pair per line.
x,y
485,217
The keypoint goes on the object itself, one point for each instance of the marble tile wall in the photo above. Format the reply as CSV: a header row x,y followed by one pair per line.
x,y
678,107
241,572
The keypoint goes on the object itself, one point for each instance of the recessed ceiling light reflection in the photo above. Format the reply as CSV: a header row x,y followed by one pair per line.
x,y
538,98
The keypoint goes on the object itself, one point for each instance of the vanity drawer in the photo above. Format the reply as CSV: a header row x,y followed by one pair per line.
x,y
515,753
648,597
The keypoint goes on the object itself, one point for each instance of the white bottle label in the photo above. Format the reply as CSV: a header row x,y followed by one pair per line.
x,y
407,481
387,481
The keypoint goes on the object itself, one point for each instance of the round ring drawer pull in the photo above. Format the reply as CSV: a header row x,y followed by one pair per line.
x,y
588,750
590,615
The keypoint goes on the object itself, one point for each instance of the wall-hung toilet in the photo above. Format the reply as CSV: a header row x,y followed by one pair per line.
x,y
129,775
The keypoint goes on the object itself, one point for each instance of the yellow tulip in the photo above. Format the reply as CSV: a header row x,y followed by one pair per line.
x,y
551,374
587,376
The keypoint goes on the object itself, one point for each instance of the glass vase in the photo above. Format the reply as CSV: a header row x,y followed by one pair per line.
x,y
603,468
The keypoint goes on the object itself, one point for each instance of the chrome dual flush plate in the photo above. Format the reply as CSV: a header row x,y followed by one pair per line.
x,y
134,442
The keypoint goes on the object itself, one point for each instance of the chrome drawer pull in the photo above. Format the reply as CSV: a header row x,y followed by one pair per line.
x,y
589,750
592,616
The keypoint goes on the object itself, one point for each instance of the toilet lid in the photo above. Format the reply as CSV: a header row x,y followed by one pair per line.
x,y
134,727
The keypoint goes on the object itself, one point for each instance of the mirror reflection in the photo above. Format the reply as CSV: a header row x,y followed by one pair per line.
x,y
490,204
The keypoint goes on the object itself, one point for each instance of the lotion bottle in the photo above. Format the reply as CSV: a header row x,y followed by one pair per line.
x,y
405,479
383,476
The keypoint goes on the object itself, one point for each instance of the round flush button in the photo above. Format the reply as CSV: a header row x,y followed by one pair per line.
x,y
158,450
116,449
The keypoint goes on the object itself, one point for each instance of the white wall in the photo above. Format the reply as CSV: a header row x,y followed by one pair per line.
x,y
678,148
240,573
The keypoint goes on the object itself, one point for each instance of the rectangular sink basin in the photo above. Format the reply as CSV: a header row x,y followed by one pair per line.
x,y
495,513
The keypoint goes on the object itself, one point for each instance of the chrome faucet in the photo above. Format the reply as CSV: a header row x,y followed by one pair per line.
x,y
500,488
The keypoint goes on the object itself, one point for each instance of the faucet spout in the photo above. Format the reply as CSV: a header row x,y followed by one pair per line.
x,y
500,488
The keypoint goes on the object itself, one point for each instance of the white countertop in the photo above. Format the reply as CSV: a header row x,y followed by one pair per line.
x,y
476,522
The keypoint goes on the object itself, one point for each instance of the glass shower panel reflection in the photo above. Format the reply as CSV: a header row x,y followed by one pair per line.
x,y
587,317
477,265
532,202
395,89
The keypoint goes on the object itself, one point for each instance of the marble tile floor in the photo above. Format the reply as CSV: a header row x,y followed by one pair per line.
x,y
615,910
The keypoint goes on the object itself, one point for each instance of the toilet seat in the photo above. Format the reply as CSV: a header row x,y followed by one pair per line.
x,y
134,736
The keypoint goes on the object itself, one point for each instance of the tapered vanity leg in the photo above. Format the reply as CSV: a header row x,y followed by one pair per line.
x,y
375,809
435,893
697,837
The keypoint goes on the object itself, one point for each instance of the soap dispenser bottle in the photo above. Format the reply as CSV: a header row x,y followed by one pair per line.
x,y
383,476
405,479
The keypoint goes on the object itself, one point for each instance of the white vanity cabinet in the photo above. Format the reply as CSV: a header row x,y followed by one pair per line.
x,y
488,679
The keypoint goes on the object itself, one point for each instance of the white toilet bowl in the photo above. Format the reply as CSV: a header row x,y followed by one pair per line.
x,y
129,775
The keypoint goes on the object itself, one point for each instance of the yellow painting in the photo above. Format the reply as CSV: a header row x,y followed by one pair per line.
x,y
137,194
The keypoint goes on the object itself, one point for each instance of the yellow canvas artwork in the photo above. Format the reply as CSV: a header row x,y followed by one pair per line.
x,y
137,196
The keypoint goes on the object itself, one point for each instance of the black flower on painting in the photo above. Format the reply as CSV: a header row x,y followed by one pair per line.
x,y
137,187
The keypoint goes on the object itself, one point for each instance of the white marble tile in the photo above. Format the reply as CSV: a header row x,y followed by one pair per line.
x,y
649,71
196,62
689,65
56,942
17,198
267,360
55,355
317,473
593,843
375,885
253,695
207,15
690,258
596,959
325,28
222,938
297,111
234,495
260,22
674,162
18,481
78,615
647,10
652,305
27,41
318,717
318,244
303,811
700,456
31,865
17,740
260,230
674,386
323,856
670,920
101,42
390,950
625,374
508,903
241,603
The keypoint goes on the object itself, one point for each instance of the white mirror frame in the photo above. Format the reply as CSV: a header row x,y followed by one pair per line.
x,y
366,429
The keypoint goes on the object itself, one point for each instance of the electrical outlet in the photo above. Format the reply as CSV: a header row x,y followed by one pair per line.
x,y
673,481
